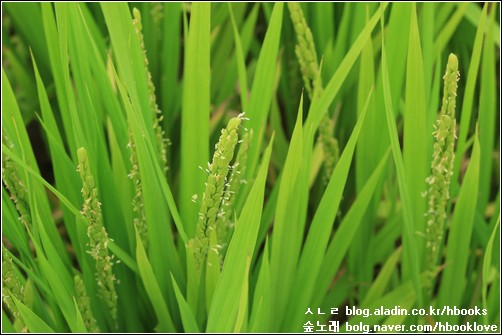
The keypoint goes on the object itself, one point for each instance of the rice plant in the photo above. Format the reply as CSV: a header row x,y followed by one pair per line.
x,y
250,167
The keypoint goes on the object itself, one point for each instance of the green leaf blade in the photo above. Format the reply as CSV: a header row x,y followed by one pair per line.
x,y
195,113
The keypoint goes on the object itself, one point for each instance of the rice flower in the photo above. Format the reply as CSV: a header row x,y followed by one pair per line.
x,y
212,197
84,306
224,224
157,13
15,185
442,162
307,57
139,218
98,237
12,287
305,49
330,146
156,113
